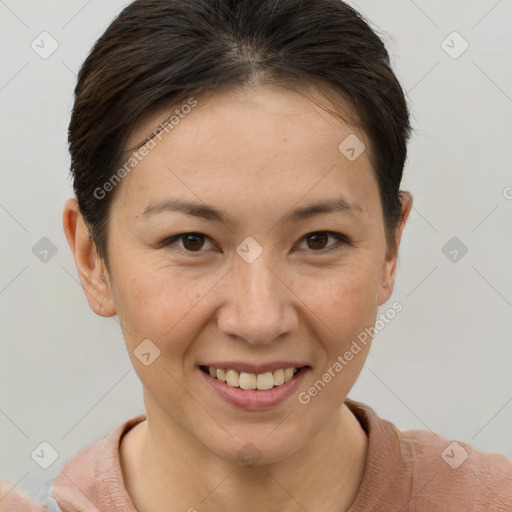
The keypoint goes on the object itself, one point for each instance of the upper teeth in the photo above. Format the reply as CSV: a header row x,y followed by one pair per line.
x,y
261,381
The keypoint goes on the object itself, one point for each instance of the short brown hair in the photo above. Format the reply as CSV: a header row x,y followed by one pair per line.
x,y
160,52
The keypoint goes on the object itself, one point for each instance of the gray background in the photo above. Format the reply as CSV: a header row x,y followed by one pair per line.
x,y
444,363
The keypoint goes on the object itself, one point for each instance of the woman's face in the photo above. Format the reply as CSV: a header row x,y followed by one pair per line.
x,y
254,287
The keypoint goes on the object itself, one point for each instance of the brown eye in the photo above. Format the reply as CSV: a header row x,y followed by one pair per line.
x,y
193,242
317,241
188,242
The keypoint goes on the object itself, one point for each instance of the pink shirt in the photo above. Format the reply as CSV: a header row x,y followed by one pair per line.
x,y
413,470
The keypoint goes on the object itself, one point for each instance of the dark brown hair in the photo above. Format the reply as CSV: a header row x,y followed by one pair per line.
x,y
160,52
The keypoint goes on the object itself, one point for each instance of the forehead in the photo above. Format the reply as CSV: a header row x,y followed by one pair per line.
x,y
259,142
258,114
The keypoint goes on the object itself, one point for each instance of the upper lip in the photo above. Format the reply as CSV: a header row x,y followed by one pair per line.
x,y
240,366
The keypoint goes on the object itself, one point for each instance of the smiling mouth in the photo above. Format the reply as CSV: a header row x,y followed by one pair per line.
x,y
252,381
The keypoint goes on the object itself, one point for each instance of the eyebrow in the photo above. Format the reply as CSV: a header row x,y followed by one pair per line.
x,y
204,211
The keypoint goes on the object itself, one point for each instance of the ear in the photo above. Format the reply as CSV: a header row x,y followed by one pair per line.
x,y
389,267
91,268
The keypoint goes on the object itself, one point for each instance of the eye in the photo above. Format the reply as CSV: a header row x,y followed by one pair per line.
x,y
317,241
191,242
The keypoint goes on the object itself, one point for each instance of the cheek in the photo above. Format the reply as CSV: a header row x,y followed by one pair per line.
x,y
344,301
161,309
344,306
160,304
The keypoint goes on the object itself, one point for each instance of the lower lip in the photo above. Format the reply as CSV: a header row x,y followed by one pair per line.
x,y
255,400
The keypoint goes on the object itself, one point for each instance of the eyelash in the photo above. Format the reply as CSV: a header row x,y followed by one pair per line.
x,y
338,236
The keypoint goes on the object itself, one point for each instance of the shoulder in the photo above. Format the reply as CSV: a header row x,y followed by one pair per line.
x,y
14,500
423,471
457,470
91,480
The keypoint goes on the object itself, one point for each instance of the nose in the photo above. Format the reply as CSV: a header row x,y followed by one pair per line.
x,y
258,305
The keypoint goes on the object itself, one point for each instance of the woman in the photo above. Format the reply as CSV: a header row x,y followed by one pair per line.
x,y
237,168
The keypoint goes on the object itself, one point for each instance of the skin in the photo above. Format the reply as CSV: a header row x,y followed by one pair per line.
x,y
255,153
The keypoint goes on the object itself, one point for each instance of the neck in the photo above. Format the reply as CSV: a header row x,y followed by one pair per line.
x,y
170,472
